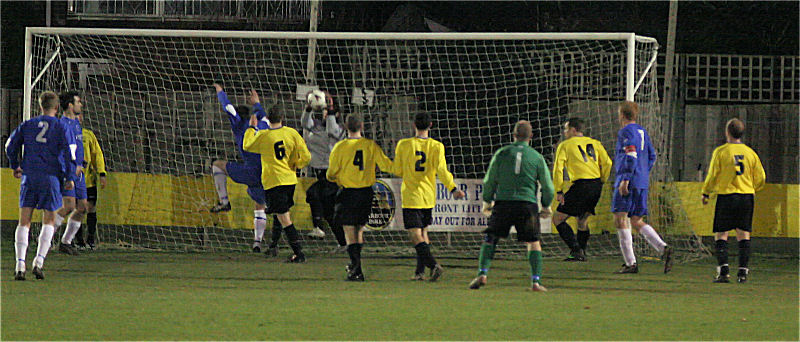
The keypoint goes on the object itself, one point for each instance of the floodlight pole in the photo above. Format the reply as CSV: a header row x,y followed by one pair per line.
x,y
312,43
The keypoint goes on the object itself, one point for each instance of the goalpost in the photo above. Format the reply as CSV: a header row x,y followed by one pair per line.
x,y
150,102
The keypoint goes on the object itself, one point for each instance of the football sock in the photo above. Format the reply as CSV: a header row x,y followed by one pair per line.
x,y
21,247
59,220
535,260
485,258
652,238
276,232
359,246
259,224
220,183
79,236
338,232
91,228
45,237
420,265
351,252
72,229
626,246
424,252
721,247
583,238
292,237
744,253
566,233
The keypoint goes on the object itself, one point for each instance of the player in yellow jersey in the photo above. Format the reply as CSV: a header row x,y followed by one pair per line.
x,y
585,163
735,174
95,174
282,151
352,166
418,161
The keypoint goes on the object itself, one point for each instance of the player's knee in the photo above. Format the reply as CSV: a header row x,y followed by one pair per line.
x,y
220,164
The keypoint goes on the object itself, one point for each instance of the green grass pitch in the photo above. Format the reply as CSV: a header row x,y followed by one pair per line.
x,y
132,295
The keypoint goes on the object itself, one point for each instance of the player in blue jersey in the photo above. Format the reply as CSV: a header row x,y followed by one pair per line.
x,y
75,200
48,162
247,173
634,158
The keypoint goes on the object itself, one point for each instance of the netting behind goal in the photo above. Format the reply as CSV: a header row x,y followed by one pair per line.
x,y
150,102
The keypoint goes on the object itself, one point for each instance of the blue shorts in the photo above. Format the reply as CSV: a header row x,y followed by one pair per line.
x,y
249,175
40,192
635,204
79,191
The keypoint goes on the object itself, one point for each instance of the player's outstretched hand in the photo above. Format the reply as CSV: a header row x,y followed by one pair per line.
x,y
458,194
253,121
623,188
329,99
217,87
253,98
69,185
545,213
18,173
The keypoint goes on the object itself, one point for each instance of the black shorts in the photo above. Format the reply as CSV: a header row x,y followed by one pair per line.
x,y
733,211
279,199
521,214
353,206
417,218
582,197
91,195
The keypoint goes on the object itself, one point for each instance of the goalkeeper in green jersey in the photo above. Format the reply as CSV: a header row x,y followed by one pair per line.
x,y
511,183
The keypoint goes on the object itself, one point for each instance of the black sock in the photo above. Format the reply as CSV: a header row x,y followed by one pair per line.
x,y
744,253
424,253
721,247
338,232
351,251
291,235
583,239
79,237
276,232
91,228
420,265
566,233
359,246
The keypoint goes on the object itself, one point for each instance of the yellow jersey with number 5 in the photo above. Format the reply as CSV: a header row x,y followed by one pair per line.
x,y
734,169
419,161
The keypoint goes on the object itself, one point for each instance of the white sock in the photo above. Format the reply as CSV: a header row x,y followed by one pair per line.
x,y
72,229
626,245
652,238
21,247
220,183
59,220
260,224
45,238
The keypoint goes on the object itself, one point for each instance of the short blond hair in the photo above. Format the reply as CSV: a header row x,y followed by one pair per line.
x,y
629,110
48,100
735,128
523,130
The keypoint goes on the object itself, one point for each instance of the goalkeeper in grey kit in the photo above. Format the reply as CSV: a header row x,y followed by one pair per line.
x,y
321,132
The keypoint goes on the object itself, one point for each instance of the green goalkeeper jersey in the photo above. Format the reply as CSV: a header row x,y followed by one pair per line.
x,y
515,173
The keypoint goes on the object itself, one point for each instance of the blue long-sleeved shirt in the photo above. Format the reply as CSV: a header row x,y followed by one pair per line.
x,y
49,148
74,127
634,157
240,124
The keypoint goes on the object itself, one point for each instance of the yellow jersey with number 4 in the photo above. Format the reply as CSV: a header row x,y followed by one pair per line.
x,y
734,169
353,160
580,158
419,161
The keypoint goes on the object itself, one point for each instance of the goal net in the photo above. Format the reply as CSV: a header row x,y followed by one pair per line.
x,y
148,98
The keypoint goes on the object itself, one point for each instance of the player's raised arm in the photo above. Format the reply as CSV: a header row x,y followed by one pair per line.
x,y
255,101
558,168
226,104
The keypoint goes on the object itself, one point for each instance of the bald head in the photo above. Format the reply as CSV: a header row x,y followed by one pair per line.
x,y
523,130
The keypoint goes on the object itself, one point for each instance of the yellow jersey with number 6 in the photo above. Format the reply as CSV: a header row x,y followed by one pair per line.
x,y
282,151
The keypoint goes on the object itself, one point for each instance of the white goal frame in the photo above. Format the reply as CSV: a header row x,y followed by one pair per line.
x,y
631,84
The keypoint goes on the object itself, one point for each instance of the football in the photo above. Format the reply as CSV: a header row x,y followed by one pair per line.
x,y
316,100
